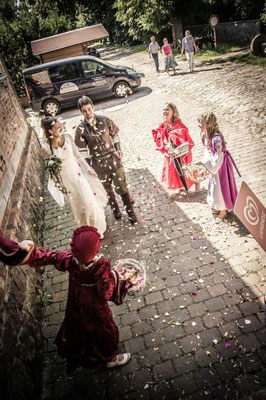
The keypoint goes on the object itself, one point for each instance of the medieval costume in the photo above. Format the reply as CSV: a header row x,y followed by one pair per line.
x,y
222,190
88,335
98,142
173,176
13,253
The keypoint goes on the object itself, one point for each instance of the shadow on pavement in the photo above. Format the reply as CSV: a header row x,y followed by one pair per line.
x,y
116,54
109,103
199,71
196,331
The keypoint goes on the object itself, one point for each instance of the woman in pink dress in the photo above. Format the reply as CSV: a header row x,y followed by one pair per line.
x,y
169,59
169,135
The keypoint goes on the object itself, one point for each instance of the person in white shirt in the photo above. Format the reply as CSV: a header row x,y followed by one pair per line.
x,y
188,45
153,51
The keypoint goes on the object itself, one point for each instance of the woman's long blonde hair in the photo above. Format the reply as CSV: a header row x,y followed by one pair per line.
x,y
212,126
174,109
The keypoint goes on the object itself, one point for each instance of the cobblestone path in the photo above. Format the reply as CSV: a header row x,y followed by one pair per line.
x,y
196,332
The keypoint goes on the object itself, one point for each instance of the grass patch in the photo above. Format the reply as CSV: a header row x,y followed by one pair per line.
x,y
250,58
139,47
222,48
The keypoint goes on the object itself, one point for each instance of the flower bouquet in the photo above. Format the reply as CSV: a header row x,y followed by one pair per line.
x,y
53,165
195,173
132,270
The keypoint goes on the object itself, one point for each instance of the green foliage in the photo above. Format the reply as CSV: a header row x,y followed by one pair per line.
x,y
143,17
127,21
250,58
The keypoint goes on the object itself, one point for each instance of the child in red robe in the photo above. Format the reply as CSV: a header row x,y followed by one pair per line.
x,y
88,335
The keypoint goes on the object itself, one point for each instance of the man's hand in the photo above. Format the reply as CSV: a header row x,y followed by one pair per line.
x,y
119,154
26,245
92,172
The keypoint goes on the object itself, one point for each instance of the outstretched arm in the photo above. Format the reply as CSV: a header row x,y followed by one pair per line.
x,y
81,143
41,257
113,131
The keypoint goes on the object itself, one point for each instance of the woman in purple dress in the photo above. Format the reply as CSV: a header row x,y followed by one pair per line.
x,y
222,190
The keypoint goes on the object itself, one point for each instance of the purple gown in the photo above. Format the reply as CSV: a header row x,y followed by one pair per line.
x,y
222,190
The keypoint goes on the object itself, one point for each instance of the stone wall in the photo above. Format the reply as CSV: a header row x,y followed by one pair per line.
x,y
238,31
21,216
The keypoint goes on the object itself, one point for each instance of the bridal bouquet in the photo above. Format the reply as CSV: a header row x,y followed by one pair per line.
x,y
195,173
53,165
132,270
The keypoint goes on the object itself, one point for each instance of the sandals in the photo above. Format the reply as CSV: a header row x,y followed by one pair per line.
x,y
117,363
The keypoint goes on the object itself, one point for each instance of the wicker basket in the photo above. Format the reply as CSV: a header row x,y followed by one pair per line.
x,y
134,271
181,150
195,173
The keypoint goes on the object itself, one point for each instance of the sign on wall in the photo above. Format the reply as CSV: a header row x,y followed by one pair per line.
x,y
252,214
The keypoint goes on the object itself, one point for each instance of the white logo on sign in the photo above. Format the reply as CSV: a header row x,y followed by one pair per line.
x,y
251,211
68,87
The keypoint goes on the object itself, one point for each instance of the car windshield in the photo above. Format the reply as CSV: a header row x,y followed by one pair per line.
x,y
107,64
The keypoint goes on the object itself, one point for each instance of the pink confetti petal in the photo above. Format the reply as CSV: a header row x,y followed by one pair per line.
x,y
228,345
143,221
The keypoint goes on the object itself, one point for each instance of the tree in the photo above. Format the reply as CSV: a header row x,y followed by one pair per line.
x,y
153,16
26,21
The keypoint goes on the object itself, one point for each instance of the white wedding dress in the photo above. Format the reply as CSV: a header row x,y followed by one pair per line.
x,y
85,193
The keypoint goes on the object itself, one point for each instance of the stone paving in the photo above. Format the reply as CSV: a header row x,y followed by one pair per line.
x,y
196,331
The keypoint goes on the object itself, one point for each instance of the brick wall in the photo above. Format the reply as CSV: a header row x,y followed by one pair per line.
x,y
21,216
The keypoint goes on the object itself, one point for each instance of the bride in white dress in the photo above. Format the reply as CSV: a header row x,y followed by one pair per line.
x,y
85,193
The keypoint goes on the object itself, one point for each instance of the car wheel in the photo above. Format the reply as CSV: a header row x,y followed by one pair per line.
x,y
121,89
52,107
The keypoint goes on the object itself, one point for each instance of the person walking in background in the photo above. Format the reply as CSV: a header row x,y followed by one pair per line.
x,y
153,51
222,190
97,139
188,46
169,59
170,135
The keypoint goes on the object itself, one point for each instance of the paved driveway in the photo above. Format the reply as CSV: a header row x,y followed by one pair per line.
x,y
196,332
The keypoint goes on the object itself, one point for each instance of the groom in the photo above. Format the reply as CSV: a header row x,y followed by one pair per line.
x,y
98,141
